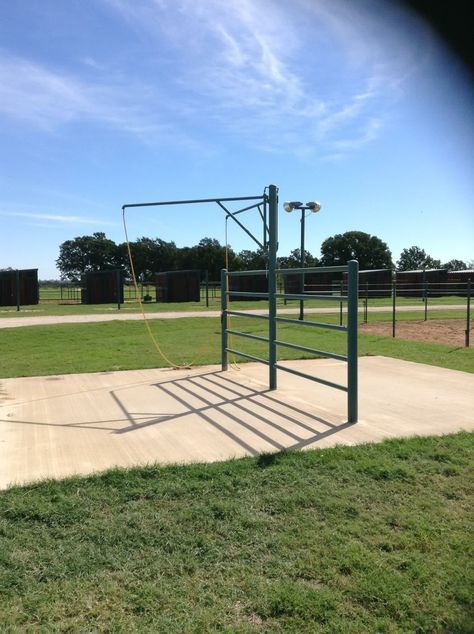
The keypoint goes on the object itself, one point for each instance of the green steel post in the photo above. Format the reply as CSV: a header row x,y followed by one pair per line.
x,y
301,317
272,253
207,288
224,282
468,313
352,353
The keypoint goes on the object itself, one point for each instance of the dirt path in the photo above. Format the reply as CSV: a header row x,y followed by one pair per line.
x,y
46,320
448,331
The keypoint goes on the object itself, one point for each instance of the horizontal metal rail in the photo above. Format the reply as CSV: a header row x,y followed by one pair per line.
x,y
192,202
294,346
245,273
239,313
315,269
317,324
247,356
247,335
338,298
312,378
246,294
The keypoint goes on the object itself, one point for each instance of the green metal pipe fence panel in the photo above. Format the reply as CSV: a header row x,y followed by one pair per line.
x,y
273,343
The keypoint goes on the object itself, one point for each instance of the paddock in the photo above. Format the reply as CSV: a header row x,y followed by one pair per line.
x,y
78,424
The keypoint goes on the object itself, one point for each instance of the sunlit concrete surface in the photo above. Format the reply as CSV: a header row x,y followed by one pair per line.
x,y
55,426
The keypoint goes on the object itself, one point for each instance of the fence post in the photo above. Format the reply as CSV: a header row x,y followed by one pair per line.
x,y
352,353
366,302
272,253
394,303
207,288
224,283
468,313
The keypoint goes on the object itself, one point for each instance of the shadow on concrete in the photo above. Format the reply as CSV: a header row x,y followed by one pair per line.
x,y
225,403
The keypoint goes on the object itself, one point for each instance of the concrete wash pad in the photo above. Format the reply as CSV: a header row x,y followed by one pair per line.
x,y
55,426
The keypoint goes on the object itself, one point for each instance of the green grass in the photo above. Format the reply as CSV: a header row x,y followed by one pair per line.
x,y
344,540
120,345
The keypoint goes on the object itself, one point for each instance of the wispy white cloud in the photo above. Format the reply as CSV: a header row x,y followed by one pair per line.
x,y
266,73
48,99
58,218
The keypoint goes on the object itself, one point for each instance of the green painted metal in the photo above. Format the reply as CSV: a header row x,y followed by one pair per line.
x,y
352,340
314,324
337,298
322,353
239,313
224,320
247,335
247,294
272,286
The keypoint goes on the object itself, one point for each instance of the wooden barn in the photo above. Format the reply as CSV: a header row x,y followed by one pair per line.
x,y
328,283
19,287
416,283
178,286
248,283
457,282
103,287
373,283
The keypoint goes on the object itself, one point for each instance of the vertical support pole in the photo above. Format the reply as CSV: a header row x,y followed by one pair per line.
x,y
352,352
394,306
272,253
224,282
206,280
301,317
468,313
17,283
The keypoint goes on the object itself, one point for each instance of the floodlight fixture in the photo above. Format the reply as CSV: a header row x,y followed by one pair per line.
x,y
314,206
289,206
311,206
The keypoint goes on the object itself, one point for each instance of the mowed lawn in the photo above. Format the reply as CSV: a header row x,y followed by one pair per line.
x,y
374,538
123,345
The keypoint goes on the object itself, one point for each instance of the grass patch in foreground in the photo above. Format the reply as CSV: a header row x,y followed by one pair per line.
x,y
125,345
372,538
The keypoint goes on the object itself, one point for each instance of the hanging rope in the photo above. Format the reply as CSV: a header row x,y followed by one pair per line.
x,y
145,319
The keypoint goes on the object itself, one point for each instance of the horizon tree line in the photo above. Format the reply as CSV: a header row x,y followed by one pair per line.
x,y
150,256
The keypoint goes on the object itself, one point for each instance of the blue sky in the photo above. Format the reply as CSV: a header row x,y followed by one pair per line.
x,y
352,103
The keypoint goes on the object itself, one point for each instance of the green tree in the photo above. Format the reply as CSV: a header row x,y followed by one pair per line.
x,y
370,251
294,260
248,260
84,254
455,265
150,256
415,258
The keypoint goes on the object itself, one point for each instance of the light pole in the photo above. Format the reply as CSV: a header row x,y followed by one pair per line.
x,y
312,207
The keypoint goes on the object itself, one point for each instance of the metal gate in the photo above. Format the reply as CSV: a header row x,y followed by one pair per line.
x,y
351,298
